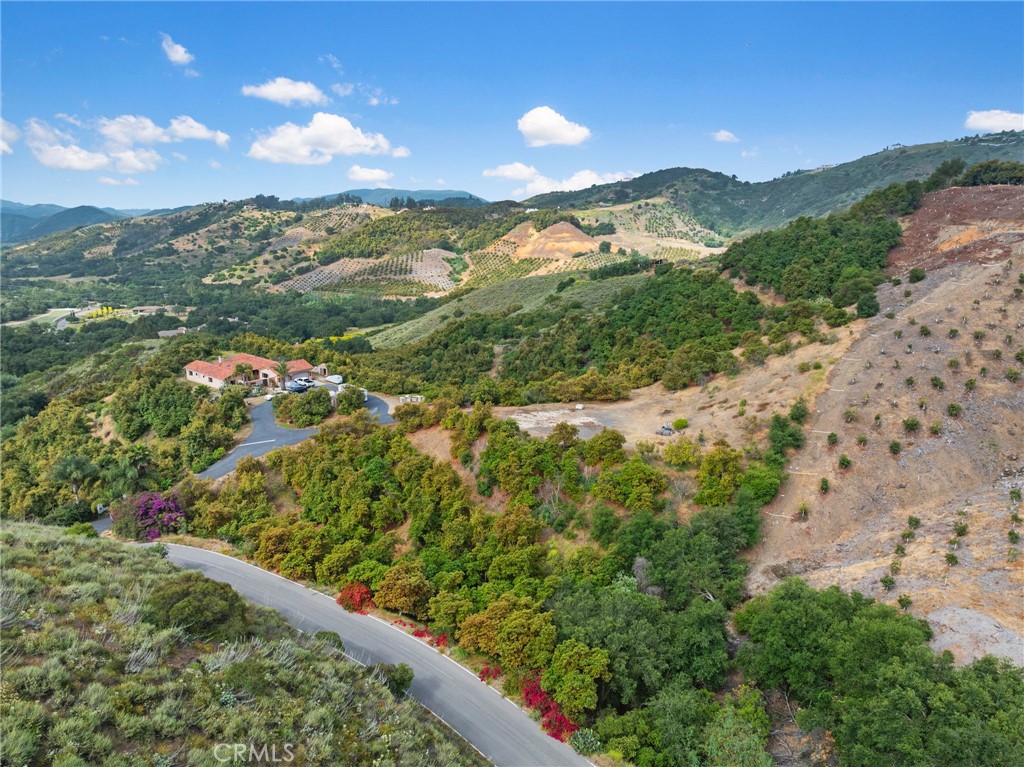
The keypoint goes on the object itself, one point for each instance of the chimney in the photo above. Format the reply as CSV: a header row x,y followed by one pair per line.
x,y
219,360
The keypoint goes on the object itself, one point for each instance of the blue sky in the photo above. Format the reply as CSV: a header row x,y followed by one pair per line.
x,y
138,105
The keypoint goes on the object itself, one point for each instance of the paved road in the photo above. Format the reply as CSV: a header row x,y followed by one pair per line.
x,y
268,435
498,728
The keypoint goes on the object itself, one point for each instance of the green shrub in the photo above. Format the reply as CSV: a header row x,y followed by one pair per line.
x,y
916,274
680,423
203,607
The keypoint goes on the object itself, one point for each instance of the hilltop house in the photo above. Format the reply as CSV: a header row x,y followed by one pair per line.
x,y
264,372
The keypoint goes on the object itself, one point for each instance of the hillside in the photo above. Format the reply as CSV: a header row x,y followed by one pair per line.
x,y
383,197
18,227
729,206
138,662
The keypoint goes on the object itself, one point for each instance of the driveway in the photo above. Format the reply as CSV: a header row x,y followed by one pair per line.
x,y
496,727
268,435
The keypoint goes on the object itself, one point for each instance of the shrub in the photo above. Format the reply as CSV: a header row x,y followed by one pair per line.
x,y
1012,374
355,597
585,742
953,332
895,447
824,485
971,384
1013,536
960,528
925,331
938,383
862,439
954,410
904,601
680,423
396,678
913,522
84,529
844,461
935,429
909,380
1015,494
798,413
916,274
146,516
888,582
832,439
951,559
203,607
911,425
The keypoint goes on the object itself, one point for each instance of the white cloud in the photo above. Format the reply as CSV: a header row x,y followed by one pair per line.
x,y
117,181
56,149
724,135
72,119
176,54
190,72
401,151
746,154
285,91
128,130
326,135
215,165
375,96
543,126
136,160
330,58
179,156
9,133
579,180
343,89
183,128
376,176
515,171
537,183
994,121
440,181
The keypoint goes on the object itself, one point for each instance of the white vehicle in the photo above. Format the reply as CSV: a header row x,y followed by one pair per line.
x,y
304,381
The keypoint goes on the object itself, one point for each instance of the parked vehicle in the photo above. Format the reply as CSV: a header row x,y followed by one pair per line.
x,y
295,387
304,380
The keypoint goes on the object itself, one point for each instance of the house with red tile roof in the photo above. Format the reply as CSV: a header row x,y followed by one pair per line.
x,y
233,369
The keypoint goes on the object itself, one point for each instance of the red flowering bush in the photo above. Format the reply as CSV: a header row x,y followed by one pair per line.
x,y
554,722
487,673
355,597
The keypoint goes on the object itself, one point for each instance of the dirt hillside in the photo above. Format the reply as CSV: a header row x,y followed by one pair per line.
x,y
945,359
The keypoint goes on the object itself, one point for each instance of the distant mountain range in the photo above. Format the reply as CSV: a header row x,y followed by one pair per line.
x,y
730,206
38,221
715,200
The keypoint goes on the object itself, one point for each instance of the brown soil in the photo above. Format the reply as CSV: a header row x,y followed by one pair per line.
x,y
712,409
980,225
559,241
963,474
436,443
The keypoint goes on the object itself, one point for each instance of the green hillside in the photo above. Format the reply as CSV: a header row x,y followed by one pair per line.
x,y
18,227
730,206
99,669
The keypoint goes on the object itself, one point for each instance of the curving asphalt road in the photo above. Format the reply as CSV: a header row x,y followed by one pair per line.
x,y
495,726
268,435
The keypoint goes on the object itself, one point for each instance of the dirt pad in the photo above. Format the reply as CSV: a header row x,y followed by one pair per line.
x,y
980,225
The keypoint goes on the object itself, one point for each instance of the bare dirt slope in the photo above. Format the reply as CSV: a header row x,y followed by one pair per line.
x,y
979,224
963,322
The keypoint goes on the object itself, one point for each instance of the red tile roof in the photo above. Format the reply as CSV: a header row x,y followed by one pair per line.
x,y
224,370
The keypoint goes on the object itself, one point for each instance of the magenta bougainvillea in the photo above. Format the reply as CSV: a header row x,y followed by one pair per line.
x,y
147,516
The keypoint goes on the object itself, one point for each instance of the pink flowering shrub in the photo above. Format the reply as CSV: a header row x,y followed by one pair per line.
x,y
146,516
554,722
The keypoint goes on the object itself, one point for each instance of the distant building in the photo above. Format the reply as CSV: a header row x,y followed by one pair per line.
x,y
410,399
171,333
222,372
